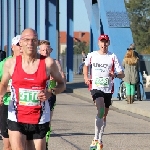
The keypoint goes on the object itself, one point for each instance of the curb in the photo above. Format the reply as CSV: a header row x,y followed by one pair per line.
x,y
79,92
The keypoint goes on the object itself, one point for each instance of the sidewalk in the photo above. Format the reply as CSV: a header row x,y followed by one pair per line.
x,y
138,107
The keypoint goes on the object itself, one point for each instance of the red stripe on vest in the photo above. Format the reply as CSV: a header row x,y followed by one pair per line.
x,y
90,85
113,70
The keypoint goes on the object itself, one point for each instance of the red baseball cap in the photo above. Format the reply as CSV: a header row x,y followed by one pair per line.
x,y
104,37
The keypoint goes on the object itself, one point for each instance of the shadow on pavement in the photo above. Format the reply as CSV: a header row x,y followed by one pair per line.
x,y
147,95
77,85
69,134
125,133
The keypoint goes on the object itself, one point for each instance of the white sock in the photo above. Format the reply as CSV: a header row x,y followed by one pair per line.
x,y
102,131
98,125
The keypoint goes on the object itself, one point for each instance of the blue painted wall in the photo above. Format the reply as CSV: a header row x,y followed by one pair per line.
x,y
112,20
51,24
16,15
120,35
70,35
93,15
4,24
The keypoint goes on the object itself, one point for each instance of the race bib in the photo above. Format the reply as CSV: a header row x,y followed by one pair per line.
x,y
102,82
28,97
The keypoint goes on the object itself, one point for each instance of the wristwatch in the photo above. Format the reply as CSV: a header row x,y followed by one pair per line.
x,y
53,92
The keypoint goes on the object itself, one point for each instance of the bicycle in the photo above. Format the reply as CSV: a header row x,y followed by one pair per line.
x,y
122,92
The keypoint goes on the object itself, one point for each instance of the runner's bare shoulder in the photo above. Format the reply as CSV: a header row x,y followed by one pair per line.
x,y
49,61
49,65
57,63
10,64
10,61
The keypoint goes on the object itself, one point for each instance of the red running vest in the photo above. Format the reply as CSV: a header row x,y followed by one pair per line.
x,y
25,89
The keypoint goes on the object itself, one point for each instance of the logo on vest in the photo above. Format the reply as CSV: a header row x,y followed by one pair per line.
x,y
28,79
100,67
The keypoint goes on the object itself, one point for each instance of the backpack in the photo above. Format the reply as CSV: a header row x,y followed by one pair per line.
x,y
2,55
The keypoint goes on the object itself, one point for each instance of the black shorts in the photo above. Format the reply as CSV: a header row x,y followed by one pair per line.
x,y
98,93
3,121
52,102
32,131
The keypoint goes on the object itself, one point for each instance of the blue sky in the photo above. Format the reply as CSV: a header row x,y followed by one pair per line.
x,y
81,21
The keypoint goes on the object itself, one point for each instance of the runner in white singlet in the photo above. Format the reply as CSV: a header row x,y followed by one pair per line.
x,y
104,66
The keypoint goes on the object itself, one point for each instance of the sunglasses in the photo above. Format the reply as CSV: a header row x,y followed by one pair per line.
x,y
17,44
130,48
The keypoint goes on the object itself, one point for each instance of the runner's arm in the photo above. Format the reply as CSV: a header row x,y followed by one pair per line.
x,y
60,70
52,70
5,78
9,85
1,73
118,68
85,71
8,89
86,66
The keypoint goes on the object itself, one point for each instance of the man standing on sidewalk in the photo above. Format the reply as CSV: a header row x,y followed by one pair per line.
x,y
28,111
104,64
16,51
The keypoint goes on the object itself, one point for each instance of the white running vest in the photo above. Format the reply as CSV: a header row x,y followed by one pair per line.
x,y
101,67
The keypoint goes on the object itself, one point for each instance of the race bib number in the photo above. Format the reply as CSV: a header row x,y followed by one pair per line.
x,y
28,97
102,81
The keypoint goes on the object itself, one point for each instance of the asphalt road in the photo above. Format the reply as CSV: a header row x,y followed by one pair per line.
x,y
73,127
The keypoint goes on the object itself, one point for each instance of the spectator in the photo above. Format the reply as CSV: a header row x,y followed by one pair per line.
x,y
82,64
132,47
137,85
131,70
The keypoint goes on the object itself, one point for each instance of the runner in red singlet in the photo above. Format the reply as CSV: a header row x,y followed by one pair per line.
x,y
28,111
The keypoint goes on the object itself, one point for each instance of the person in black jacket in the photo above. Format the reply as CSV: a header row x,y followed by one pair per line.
x,y
2,55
